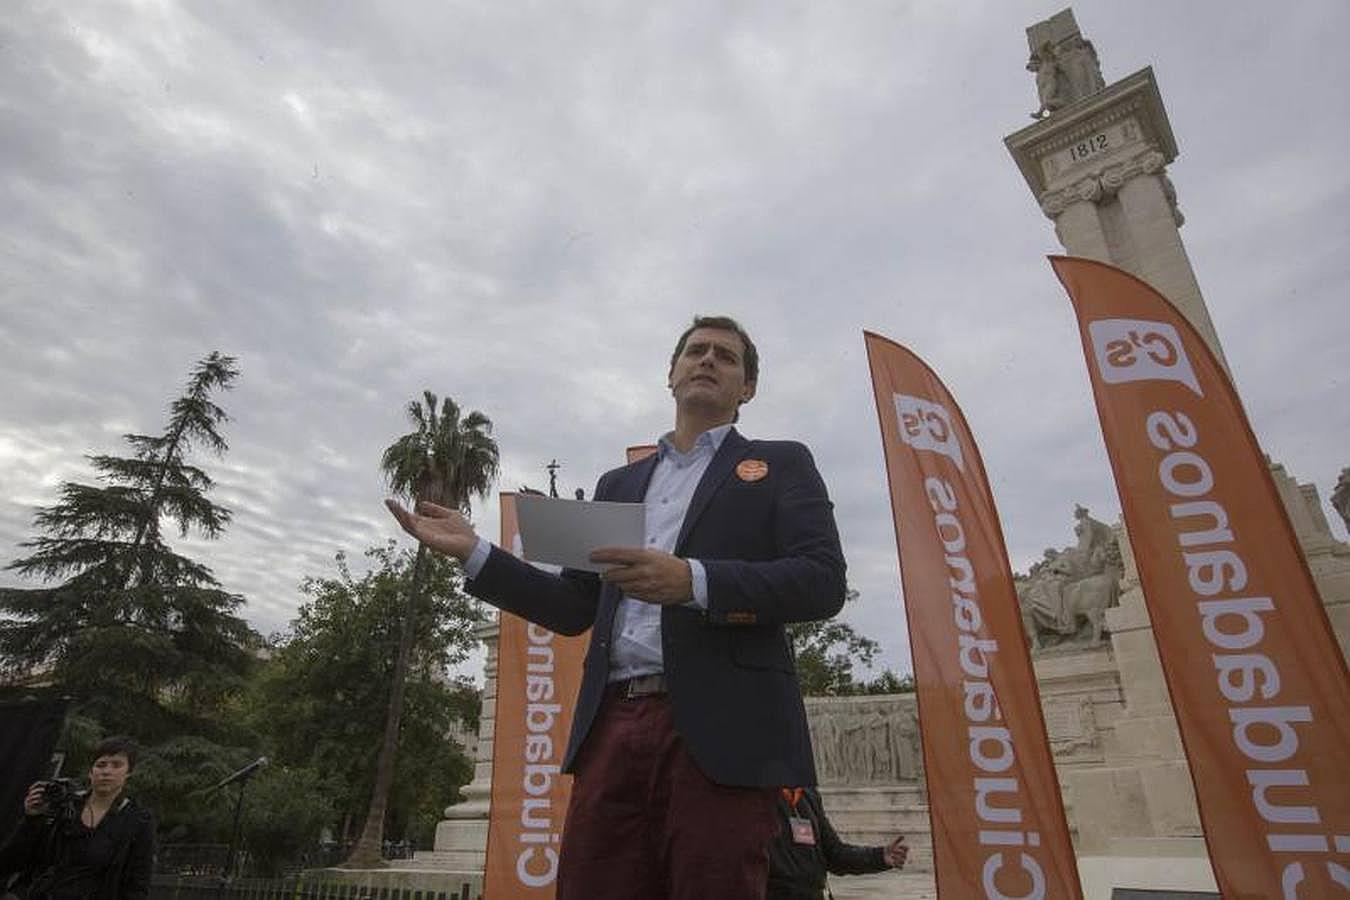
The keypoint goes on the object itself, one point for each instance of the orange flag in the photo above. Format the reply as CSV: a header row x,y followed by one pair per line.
x,y
639,451
993,798
538,673
1257,681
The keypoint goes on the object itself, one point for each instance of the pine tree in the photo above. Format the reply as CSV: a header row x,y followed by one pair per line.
x,y
143,637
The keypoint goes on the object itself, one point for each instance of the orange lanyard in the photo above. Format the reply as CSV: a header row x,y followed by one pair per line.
x,y
792,795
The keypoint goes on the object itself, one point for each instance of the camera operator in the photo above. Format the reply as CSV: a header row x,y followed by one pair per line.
x,y
86,844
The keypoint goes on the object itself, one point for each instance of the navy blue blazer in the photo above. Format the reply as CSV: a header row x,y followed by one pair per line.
x,y
771,552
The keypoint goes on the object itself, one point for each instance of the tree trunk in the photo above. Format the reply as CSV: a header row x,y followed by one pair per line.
x,y
366,854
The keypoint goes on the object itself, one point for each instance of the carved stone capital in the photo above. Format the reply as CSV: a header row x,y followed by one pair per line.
x,y
1089,189
1150,162
1113,179
1106,184
1055,202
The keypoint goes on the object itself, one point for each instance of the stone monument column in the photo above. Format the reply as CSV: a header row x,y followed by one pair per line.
x,y
1098,168
1096,161
1077,223
1097,165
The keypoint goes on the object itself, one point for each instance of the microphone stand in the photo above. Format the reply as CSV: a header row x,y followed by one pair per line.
x,y
243,776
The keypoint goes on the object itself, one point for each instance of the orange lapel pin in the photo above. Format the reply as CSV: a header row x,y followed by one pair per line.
x,y
752,469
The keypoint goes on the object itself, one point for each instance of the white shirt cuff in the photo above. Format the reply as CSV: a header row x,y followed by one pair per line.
x,y
699,582
478,558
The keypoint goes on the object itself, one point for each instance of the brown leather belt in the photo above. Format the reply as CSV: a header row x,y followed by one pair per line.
x,y
641,686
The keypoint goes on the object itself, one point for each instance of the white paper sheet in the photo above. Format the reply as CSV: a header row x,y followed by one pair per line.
x,y
564,532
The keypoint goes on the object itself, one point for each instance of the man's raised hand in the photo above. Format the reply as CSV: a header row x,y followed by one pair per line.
x,y
440,528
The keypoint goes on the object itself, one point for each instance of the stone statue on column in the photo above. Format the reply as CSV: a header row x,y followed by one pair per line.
x,y
1065,596
1065,63
1078,59
1050,81
1340,497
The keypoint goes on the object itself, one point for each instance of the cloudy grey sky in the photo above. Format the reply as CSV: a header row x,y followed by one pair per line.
x,y
520,205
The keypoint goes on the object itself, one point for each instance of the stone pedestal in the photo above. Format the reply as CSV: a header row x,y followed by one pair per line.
x,y
871,767
401,877
1081,700
1328,559
1171,867
1144,790
461,838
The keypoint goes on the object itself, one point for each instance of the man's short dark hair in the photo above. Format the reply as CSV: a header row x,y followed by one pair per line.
x,y
749,360
111,746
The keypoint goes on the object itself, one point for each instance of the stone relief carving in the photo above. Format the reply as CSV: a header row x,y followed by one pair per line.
x,y
876,743
1065,596
1072,726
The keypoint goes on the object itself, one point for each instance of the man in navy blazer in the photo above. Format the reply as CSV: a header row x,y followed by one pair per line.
x,y
689,715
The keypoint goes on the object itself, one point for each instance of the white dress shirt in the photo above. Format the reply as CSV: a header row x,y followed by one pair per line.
x,y
636,646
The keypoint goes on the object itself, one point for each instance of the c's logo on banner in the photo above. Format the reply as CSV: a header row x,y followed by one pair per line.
x,y
1136,350
925,425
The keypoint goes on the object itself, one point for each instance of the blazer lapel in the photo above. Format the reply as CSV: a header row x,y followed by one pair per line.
x,y
632,487
733,449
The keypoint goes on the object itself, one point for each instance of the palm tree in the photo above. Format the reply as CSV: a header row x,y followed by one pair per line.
x,y
445,460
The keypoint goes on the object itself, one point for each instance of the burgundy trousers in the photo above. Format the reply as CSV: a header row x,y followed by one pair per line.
x,y
645,824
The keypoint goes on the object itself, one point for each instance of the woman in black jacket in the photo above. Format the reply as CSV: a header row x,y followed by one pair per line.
x,y
89,844
807,846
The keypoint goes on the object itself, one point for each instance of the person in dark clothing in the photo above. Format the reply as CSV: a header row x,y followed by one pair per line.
x,y
95,844
807,846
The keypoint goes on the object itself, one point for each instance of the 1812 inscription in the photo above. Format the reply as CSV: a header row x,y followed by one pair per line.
x,y
1090,147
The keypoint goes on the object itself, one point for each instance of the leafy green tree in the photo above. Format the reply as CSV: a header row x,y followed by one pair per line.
x,y
145,638
430,770
326,687
283,810
826,651
889,683
447,459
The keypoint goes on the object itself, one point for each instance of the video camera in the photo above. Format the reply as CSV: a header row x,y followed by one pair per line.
x,y
62,798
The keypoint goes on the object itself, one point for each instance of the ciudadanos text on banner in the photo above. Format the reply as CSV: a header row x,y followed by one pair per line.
x,y
1257,681
537,677
999,829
